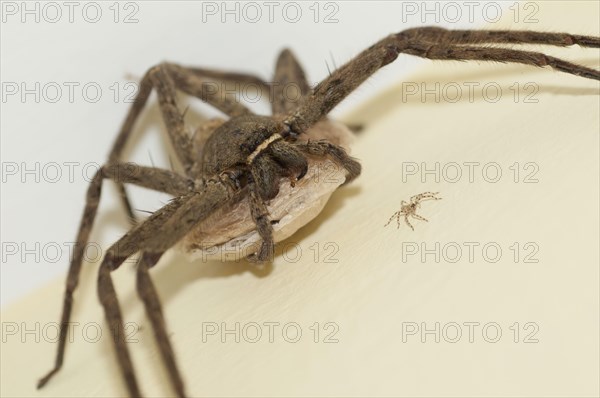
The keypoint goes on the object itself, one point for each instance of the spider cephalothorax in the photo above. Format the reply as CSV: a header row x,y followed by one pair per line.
x,y
255,174
256,148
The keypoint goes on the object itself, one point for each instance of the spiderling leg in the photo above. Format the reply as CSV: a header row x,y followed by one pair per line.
x,y
410,208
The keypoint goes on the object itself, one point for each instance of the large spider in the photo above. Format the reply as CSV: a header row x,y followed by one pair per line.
x,y
251,158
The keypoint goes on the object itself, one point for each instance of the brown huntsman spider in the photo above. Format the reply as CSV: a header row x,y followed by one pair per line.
x,y
235,170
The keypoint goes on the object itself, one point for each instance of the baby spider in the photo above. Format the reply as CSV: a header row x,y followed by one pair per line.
x,y
410,208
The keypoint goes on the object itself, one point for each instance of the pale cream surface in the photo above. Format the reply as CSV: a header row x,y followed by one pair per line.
x,y
357,280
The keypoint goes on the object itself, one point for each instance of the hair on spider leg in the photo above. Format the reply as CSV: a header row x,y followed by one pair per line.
x,y
145,211
236,176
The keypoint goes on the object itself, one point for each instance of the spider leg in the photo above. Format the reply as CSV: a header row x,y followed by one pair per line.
x,y
160,180
417,199
471,53
418,217
398,219
125,247
155,235
396,214
288,73
192,84
425,43
338,154
441,35
149,296
423,196
199,138
230,77
266,170
408,222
